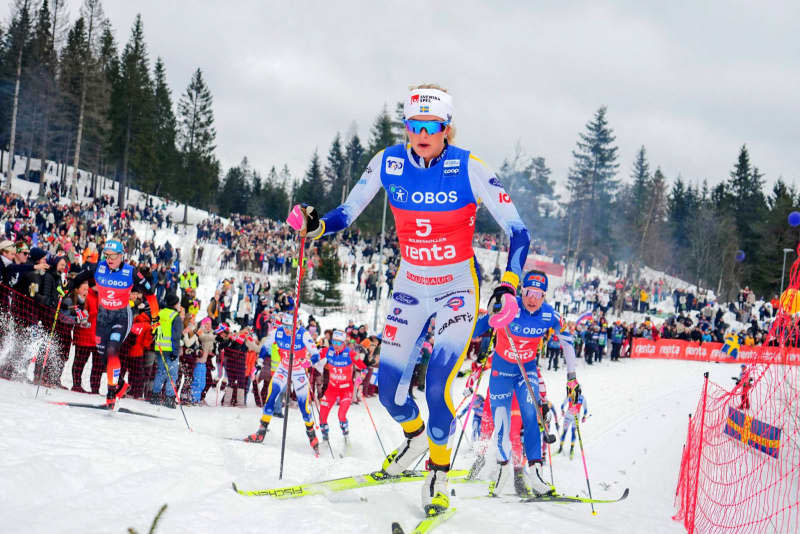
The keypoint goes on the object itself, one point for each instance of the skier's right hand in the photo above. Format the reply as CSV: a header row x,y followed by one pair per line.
x,y
573,388
305,220
259,365
502,306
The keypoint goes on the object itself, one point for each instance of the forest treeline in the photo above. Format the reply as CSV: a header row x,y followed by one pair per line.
x,y
70,92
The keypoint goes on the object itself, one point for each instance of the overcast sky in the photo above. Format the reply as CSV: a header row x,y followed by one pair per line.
x,y
692,81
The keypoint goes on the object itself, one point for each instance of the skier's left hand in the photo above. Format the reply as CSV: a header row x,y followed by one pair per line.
x,y
583,419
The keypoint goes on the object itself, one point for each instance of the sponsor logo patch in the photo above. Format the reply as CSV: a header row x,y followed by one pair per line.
x,y
495,182
429,280
389,332
451,293
398,193
455,303
395,319
430,197
452,163
394,166
460,318
404,298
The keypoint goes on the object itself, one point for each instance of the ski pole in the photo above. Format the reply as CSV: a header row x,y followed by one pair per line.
x,y
548,438
315,404
174,389
489,349
49,342
287,397
583,456
469,411
220,374
374,426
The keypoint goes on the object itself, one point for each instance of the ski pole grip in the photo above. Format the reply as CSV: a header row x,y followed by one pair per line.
x,y
296,218
506,314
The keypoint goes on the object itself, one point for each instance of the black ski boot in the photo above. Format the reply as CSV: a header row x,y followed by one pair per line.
x,y
520,487
111,397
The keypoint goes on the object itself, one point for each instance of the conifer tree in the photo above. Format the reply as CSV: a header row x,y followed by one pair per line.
x,y
329,271
73,58
592,184
312,190
40,81
17,52
132,112
165,133
336,173
197,138
775,235
354,156
93,18
746,201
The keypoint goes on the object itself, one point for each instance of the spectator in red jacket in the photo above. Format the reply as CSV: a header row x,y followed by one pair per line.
x,y
83,307
132,362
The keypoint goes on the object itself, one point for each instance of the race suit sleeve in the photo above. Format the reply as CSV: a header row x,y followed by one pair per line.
x,y
311,347
482,326
585,406
488,189
266,347
360,196
566,341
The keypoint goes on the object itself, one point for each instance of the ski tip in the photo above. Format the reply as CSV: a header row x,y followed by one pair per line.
x,y
233,485
396,528
625,493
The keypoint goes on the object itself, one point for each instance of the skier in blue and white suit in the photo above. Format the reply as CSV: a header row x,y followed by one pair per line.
x,y
306,353
530,325
434,189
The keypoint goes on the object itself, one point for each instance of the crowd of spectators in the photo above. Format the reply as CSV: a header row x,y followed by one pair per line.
x,y
47,242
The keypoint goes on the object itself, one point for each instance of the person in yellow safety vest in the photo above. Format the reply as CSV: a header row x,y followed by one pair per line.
x,y
294,263
194,307
183,282
192,278
168,345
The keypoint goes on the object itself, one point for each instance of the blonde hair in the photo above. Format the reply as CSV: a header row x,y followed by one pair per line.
x,y
451,132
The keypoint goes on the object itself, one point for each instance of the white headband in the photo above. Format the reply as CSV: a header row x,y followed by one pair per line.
x,y
428,102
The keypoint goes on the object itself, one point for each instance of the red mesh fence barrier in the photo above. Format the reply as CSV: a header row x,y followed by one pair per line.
x,y
740,468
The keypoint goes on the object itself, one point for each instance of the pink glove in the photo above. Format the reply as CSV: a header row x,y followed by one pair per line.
x,y
504,301
296,218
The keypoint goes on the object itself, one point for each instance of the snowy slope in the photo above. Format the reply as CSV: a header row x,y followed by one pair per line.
x,y
72,469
